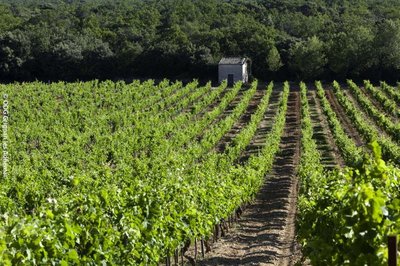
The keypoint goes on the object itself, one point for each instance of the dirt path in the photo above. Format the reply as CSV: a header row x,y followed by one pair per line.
x,y
265,234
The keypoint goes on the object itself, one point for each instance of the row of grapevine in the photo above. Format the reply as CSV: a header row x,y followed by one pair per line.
x,y
218,130
184,119
310,160
345,216
183,130
388,105
246,134
183,136
352,154
175,102
383,121
152,94
391,92
172,118
82,195
391,151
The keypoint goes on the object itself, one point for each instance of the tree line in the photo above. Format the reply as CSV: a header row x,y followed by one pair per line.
x,y
285,39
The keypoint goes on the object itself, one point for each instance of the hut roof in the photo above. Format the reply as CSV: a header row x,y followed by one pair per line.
x,y
232,61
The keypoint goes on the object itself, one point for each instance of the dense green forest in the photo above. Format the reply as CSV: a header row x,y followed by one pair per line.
x,y
285,39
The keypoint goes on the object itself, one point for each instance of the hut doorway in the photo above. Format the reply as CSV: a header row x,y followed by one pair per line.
x,y
230,80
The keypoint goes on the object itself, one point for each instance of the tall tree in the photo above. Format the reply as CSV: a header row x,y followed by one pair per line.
x,y
387,44
308,58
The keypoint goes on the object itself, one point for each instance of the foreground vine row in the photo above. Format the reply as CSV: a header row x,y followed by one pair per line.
x,y
345,216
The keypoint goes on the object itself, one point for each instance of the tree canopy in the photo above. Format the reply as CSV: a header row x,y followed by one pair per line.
x,y
285,39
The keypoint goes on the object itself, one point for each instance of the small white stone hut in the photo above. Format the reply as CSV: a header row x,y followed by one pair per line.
x,y
233,69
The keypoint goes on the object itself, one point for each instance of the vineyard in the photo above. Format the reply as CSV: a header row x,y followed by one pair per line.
x,y
146,173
